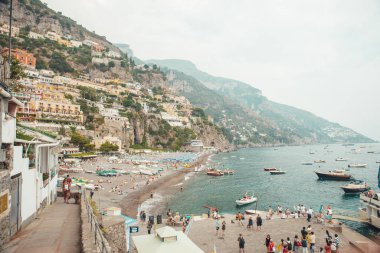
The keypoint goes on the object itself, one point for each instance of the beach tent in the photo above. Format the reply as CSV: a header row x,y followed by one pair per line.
x,y
165,240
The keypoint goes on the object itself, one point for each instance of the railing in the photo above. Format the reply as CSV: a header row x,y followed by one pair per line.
x,y
100,241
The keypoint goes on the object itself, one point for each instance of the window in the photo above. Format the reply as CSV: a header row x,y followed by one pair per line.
x,y
4,198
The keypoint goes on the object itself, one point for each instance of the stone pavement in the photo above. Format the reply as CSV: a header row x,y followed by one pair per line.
x,y
57,229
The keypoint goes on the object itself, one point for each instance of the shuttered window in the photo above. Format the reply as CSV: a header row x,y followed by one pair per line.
x,y
3,203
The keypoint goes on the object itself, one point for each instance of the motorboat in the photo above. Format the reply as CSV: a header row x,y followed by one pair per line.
x,y
341,159
270,169
357,165
228,172
319,161
355,187
307,163
250,212
339,175
246,200
214,173
277,172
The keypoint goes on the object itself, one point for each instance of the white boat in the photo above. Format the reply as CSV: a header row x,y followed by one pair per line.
x,y
246,200
341,159
250,211
319,161
357,165
307,163
148,172
277,172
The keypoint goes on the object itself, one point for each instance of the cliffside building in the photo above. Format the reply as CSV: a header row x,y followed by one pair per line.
x,y
22,56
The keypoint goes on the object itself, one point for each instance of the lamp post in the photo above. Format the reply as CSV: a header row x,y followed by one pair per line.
x,y
10,33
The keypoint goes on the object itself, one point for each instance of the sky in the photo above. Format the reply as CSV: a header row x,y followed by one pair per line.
x,y
319,55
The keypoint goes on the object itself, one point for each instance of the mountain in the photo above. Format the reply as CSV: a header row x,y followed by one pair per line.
x,y
286,123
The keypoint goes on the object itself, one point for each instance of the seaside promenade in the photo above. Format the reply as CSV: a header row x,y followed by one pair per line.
x,y
55,230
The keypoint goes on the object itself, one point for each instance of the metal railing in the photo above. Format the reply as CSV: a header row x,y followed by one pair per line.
x,y
100,242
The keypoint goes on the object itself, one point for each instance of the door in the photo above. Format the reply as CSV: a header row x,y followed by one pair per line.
x,y
15,216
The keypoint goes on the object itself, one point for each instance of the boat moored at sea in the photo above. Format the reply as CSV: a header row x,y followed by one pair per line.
x,y
319,161
357,186
307,163
340,159
357,165
339,175
214,172
228,172
246,200
277,172
270,169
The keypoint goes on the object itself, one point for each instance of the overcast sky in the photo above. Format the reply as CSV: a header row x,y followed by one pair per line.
x,y
321,56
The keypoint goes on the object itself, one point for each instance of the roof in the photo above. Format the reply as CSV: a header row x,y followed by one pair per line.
x,y
153,244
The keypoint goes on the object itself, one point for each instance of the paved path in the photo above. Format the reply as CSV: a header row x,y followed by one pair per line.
x,y
57,229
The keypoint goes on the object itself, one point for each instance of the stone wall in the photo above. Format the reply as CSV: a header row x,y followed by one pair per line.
x,y
5,181
115,233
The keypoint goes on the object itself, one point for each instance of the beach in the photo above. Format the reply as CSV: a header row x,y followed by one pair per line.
x,y
131,191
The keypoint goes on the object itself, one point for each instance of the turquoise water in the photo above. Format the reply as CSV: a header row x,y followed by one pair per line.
x,y
298,186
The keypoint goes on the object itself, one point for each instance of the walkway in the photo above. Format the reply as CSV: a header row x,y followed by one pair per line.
x,y
57,229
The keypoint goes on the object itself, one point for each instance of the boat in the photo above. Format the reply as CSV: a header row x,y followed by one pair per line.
x,y
319,161
246,200
339,175
277,172
214,173
357,165
228,172
370,212
250,212
355,187
341,159
198,169
307,163
270,169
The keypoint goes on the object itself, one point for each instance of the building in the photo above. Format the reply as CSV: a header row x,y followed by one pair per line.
x,y
4,29
66,43
22,56
98,47
76,43
111,139
96,60
47,73
88,42
113,54
33,35
172,120
52,36
196,145
165,240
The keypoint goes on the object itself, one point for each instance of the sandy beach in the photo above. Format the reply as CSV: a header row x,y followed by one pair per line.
x,y
132,191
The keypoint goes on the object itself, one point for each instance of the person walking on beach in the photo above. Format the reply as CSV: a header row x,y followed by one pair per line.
x,y
259,222
267,242
271,246
304,244
250,223
303,232
312,242
337,242
217,226
296,244
240,219
241,243
289,243
309,214
223,228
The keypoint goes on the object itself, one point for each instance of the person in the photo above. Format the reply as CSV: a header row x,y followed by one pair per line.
x,y
149,227
333,247
168,213
309,229
143,217
267,242
217,226
296,244
303,232
312,242
91,194
240,218
289,244
271,246
151,195
270,213
181,188
328,247
309,214
241,243
65,190
321,250
223,228
304,244
337,242
250,223
184,226
259,222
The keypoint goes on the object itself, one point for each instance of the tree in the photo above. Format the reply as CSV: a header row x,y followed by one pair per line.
x,y
108,147
80,140
59,64
111,64
198,112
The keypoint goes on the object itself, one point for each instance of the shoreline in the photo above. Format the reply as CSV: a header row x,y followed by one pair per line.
x,y
163,190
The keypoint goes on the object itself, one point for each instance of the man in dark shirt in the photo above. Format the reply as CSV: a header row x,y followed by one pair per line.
x,y
241,243
303,232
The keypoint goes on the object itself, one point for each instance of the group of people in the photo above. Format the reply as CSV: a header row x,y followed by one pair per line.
x,y
239,217
304,244
66,187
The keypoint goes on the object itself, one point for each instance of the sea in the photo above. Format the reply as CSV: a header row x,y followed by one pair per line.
x,y
300,185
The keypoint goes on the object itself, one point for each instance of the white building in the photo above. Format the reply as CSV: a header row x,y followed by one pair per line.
x,y
76,43
52,36
113,54
5,30
100,60
172,120
89,43
32,73
33,35
47,73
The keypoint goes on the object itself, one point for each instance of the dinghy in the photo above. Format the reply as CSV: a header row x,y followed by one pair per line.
x,y
246,200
